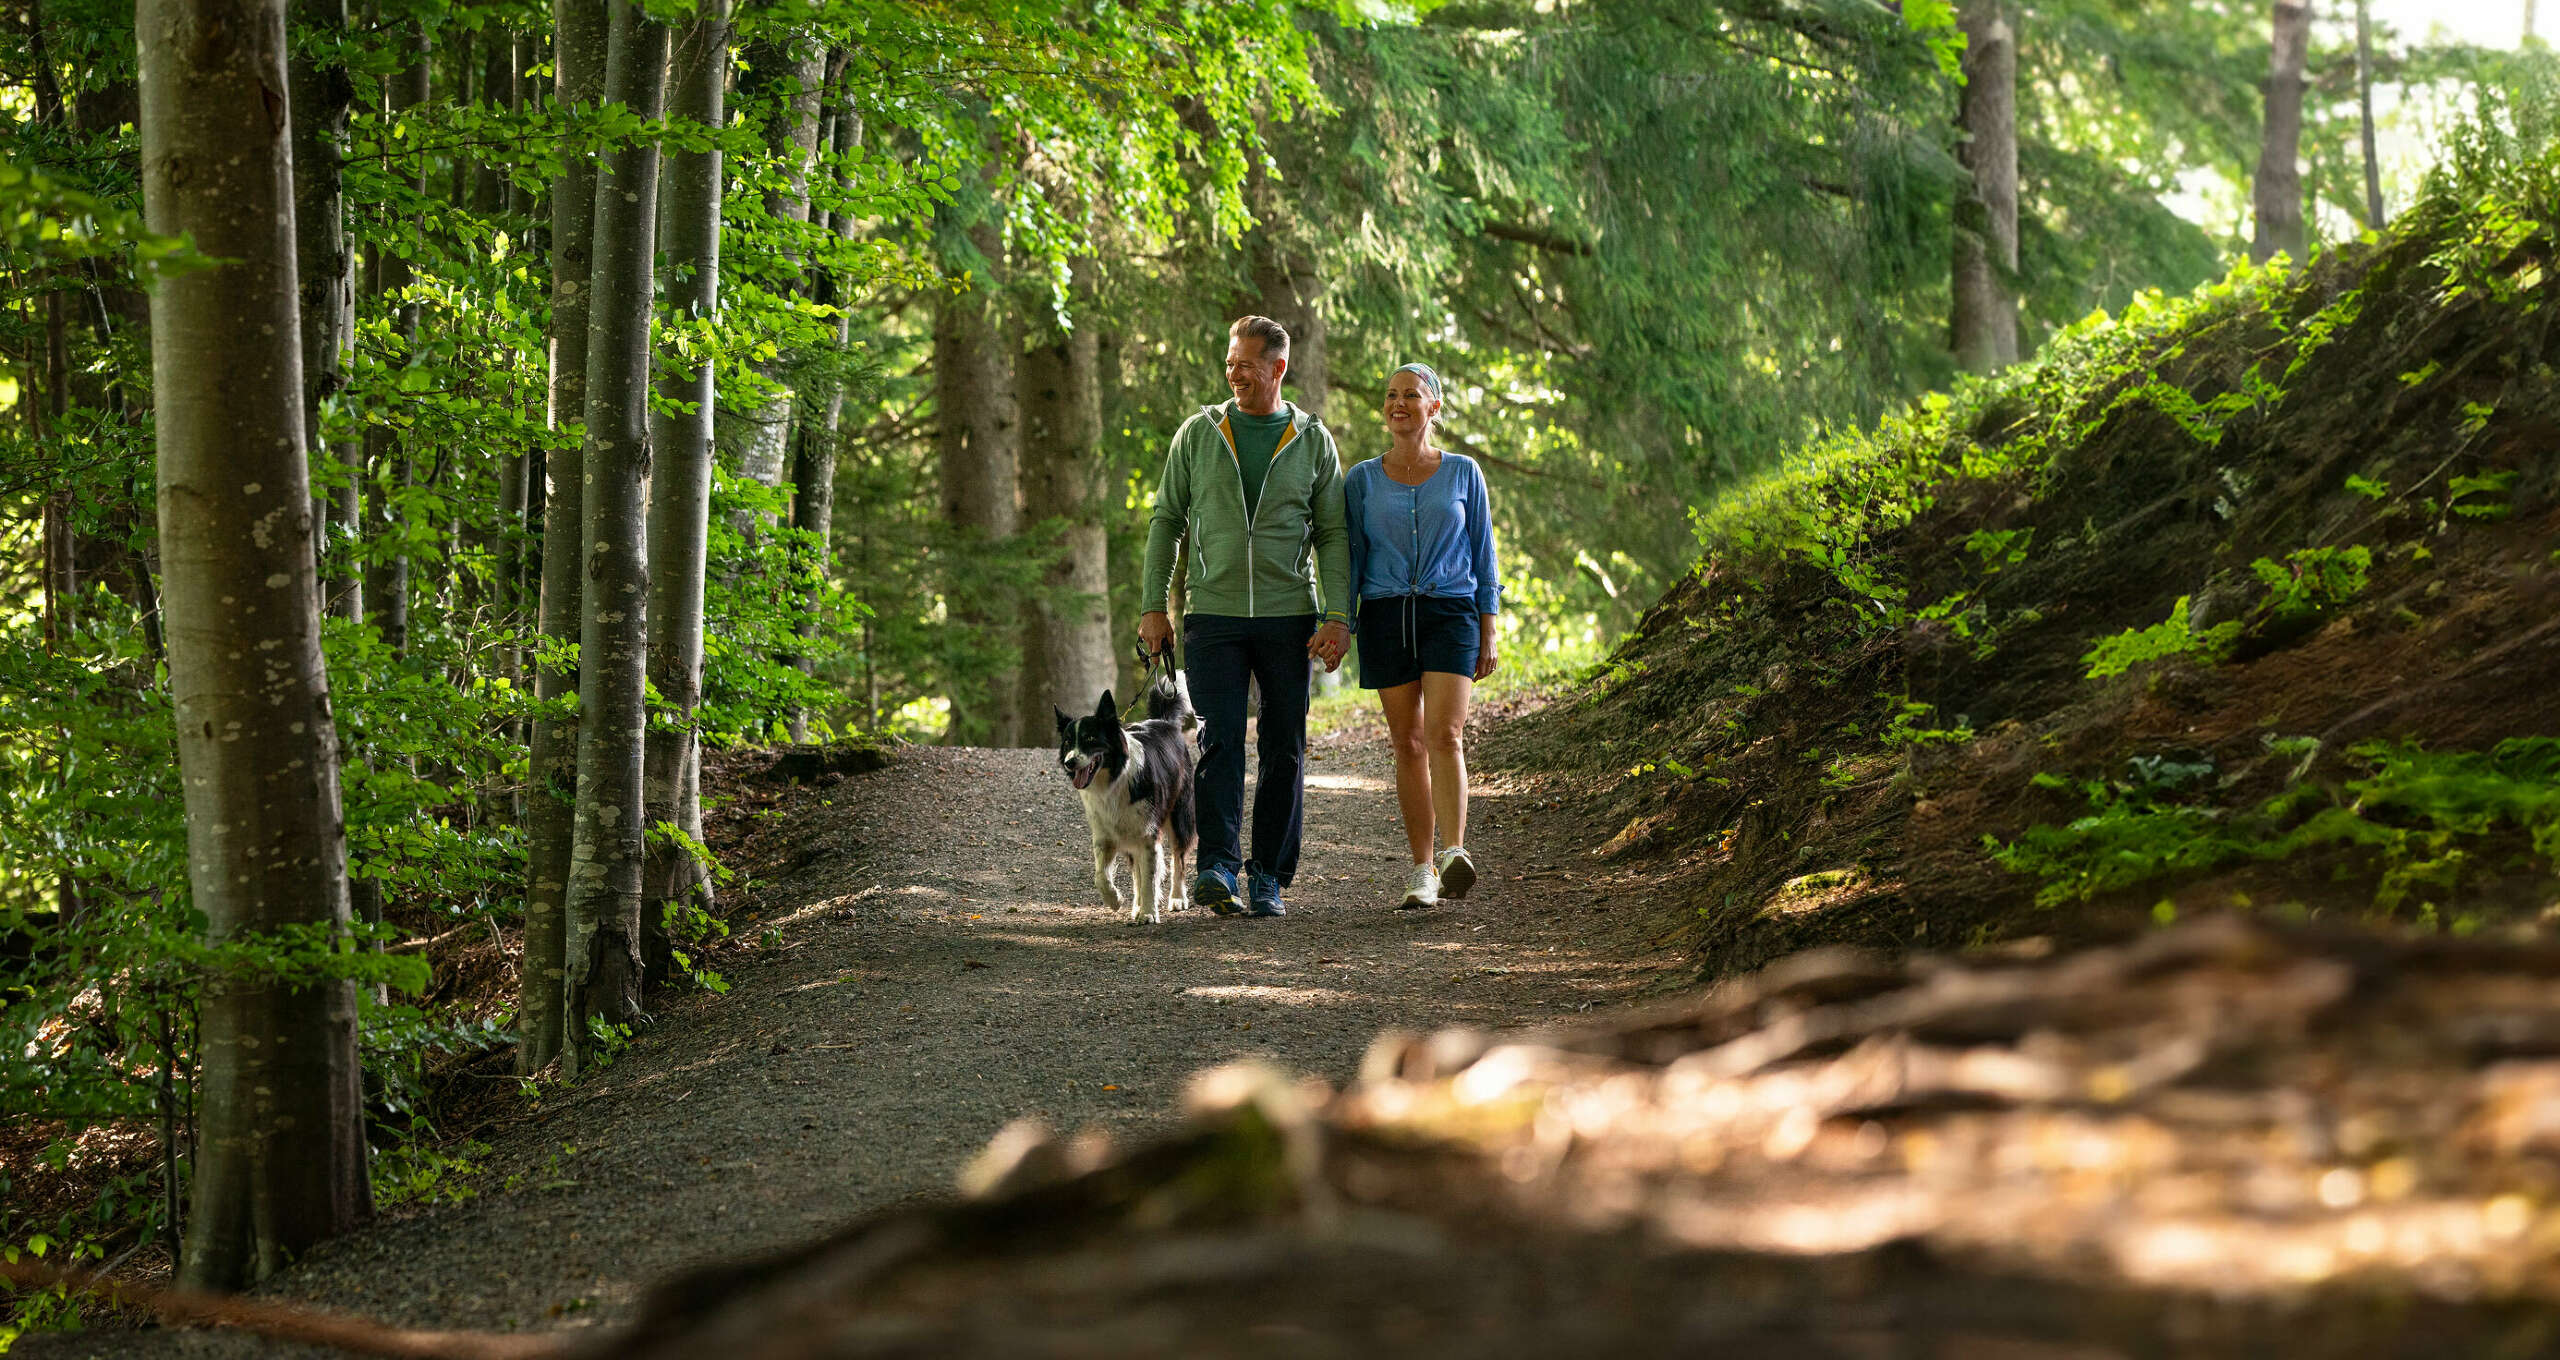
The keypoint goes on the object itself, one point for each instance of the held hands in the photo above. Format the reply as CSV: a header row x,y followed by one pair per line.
x,y
1329,644
1488,651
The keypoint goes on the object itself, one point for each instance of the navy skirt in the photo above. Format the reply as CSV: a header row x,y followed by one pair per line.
x,y
1402,636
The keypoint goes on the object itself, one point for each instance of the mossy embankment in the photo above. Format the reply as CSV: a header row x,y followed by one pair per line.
x,y
2244,599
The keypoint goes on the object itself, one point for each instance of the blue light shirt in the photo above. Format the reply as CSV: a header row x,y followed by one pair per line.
x,y
1433,539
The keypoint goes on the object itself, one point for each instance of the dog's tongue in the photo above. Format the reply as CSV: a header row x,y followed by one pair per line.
x,y
1084,774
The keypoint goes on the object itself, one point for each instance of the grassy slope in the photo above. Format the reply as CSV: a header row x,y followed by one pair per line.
x,y
1777,731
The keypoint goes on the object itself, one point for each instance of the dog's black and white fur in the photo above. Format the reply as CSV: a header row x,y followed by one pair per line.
x,y
1135,781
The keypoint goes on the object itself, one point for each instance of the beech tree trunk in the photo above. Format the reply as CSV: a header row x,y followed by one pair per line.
x,y
606,861
1984,326
321,96
978,448
280,1156
796,73
2277,194
680,496
578,56
1063,479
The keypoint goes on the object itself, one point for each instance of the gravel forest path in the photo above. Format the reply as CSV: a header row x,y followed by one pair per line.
x,y
939,967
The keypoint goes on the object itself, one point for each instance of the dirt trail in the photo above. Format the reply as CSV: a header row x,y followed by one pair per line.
x,y
942,969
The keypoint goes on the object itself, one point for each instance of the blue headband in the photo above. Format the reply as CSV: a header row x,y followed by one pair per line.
x,y
1423,371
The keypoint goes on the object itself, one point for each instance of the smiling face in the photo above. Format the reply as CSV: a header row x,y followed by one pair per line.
x,y
1409,406
1253,375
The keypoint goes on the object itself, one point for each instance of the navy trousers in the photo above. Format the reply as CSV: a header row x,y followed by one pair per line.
x,y
1224,653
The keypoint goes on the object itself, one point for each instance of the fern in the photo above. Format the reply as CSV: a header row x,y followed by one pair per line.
x,y
2175,637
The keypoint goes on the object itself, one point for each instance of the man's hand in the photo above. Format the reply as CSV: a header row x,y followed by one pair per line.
x,y
1489,648
1155,631
1329,644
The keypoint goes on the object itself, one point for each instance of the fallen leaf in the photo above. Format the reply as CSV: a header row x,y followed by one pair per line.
x,y
1111,1088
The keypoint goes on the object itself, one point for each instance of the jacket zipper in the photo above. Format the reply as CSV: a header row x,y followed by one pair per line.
x,y
1253,518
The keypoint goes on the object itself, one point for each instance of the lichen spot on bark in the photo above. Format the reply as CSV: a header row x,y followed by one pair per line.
x,y
279,581
253,488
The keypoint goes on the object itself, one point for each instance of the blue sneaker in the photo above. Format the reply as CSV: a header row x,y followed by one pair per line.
x,y
1216,890
1263,893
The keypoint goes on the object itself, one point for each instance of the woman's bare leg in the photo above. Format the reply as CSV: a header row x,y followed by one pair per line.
x,y
1413,764
1444,737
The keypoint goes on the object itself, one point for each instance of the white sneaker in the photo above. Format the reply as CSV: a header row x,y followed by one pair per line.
x,y
1421,890
1457,872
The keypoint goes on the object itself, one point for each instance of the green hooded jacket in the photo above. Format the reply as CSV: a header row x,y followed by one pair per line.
x,y
1266,568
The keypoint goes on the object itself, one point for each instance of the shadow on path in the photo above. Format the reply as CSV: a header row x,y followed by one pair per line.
x,y
941,969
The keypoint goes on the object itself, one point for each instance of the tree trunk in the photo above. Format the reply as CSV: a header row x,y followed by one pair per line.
x,y
2278,191
1287,288
1110,375
387,460
680,498
797,74
814,474
978,447
1063,478
528,92
498,76
321,96
605,865
280,1158
1984,326
2373,215
520,513
578,55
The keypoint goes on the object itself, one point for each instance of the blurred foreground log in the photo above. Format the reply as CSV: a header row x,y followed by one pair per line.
x,y
2223,1140
2226,1139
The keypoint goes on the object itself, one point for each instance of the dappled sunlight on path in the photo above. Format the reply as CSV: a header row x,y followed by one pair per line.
x,y
932,966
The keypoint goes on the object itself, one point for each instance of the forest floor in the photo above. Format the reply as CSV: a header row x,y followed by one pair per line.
x,y
939,967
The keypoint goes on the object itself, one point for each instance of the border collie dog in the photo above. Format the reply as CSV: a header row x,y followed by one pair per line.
x,y
1135,780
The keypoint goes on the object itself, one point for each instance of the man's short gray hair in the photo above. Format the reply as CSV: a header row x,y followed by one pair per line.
x,y
1273,335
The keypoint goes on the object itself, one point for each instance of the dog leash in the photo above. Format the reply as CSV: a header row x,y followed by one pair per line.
x,y
1149,662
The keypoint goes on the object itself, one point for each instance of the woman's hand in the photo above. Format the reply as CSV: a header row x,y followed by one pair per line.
x,y
1488,648
1329,644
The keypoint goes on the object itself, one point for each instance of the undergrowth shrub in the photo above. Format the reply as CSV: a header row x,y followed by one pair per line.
x,y
2174,636
2311,580
2421,825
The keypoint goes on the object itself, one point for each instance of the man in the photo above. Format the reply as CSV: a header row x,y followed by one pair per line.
x,y
1256,486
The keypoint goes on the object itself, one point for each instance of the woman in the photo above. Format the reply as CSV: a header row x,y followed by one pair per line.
x,y
1422,555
